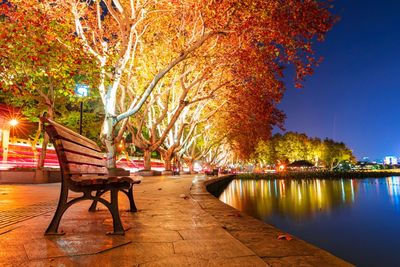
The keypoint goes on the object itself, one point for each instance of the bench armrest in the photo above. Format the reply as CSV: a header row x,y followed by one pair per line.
x,y
118,172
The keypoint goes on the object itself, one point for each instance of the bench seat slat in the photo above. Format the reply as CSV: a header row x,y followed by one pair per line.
x,y
86,169
67,145
82,159
99,180
66,134
80,137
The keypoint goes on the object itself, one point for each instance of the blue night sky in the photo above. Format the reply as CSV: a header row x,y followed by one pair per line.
x,y
354,94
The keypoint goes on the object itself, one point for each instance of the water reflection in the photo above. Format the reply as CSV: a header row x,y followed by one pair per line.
x,y
302,198
393,188
355,219
293,198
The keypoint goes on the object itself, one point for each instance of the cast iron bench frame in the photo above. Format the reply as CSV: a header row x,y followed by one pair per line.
x,y
83,170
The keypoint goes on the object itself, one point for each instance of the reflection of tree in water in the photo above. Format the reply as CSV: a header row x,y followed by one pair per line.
x,y
289,198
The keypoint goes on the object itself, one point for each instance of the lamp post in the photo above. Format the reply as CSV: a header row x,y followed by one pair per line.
x,y
82,90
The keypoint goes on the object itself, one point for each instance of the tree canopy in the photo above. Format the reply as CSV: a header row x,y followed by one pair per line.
x,y
226,56
292,147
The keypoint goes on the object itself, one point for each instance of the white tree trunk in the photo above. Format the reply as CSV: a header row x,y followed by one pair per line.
x,y
108,139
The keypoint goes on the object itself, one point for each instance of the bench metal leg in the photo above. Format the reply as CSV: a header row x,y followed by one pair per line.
x,y
63,205
94,203
61,208
129,194
113,207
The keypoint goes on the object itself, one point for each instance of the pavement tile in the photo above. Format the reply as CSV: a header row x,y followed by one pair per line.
x,y
151,235
59,246
132,254
12,255
303,261
267,245
139,253
247,261
177,261
212,249
205,233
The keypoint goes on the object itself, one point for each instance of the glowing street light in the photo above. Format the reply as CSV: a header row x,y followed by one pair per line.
x,y
13,122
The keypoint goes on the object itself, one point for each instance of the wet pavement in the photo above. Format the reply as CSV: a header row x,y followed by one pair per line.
x,y
178,224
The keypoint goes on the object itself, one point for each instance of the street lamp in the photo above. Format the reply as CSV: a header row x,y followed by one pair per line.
x,y
82,90
13,122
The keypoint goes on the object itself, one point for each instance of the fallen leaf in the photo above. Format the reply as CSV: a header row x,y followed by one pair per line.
x,y
284,236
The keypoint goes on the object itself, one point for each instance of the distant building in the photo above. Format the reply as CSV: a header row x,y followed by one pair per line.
x,y
365,159
390,160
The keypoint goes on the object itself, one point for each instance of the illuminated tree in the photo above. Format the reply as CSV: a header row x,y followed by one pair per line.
x,y
292,147
117,33
172,113
136,44
334,152
265,152
254,36
202,144
40,60
269,35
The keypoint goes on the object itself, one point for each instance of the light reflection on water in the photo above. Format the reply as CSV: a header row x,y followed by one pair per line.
x,y
294,198
393,187
356,219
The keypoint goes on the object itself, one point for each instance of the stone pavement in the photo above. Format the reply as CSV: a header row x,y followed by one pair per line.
x,y
178,224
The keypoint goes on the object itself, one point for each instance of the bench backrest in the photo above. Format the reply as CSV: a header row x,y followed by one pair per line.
x,y
76,153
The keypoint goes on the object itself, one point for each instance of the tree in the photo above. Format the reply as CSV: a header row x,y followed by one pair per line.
x,y
248,118
172,113
253,33
40,60
292,147
334,152
265,152
116,33
271,35
135,44
315,148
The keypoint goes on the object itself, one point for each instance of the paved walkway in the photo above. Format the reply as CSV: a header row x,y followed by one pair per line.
x,y
178,224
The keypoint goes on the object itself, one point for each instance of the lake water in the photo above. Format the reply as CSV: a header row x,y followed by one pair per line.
x,y
355,219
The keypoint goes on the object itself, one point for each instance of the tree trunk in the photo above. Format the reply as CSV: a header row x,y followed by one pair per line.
x,y
147,160
40,163
167,158
107,137
180,165
167,164
34,142
191,166
34,151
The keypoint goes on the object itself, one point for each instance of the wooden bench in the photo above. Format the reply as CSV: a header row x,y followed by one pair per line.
x,y
83,170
